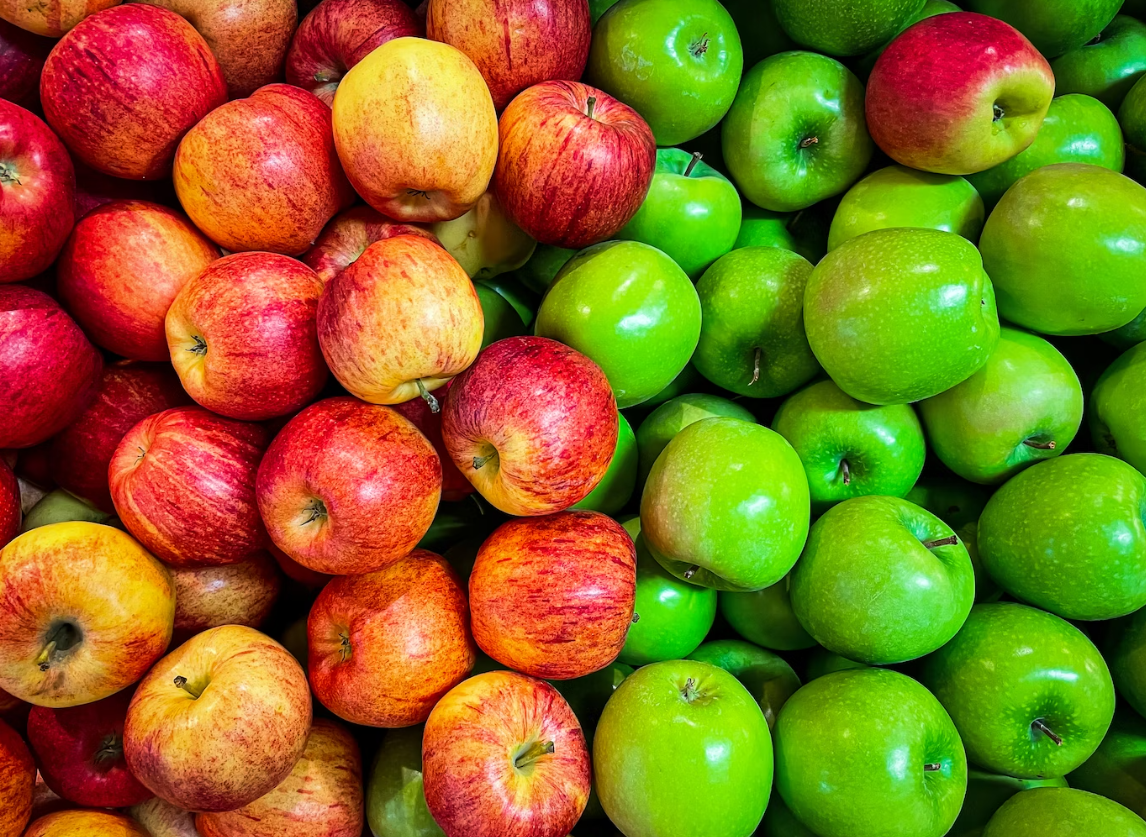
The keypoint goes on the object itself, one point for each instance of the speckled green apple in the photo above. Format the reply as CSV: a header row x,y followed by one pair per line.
x,y
1107,66
395,801
765,228
899,315
1125,648
689,380
862,65
1054,26
986,792
1063,812
1118,408
1117,770
765,617
671,417
767,676
616,488
851,28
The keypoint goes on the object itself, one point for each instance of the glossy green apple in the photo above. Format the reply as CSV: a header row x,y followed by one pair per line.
x,y
1131,334
671,617
523,300
1053,26
1077,129
796,133
598,8
537,273
752,339
501,318
955,501
691,213
701,763
899,315
986,792
726,505
1107,66
931,8
676,62
671,417
1117,770
901,197
849,448
765,617
869,753
779,821
395,801
850,28
767,676
628,307
1067,535
1063,812
760,32
822,661
1030,694
1118,409
764,228
59,506
616,488
1126,653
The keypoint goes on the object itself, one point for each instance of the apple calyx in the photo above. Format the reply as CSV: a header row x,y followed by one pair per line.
x,y
481,461
808,142
700,47
757,356
696,158
590,105
1038,725
689,691
846,472
110,749
418,193
432,402
535,751
950,540
61,638
8,174
932,766
636,617
181,682
1031,443
200,347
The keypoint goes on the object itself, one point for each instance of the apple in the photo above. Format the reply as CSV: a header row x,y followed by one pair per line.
x,y
418,411
337,34
22,56
1124,647
1115,769
616,488
827,26
243,336
85,822
764,617
37,186
1116,408
601,150
1106,66
60,506
128,124
760,32
769,679
986,792
403,108
94,189
503,753
1055,26
162,819
485,242
349,233
1062,812
348,487
863,64
53,18
10,509
17,778
233,594
372,344
661,425
537,274
395,801
958,93
220,721
87,611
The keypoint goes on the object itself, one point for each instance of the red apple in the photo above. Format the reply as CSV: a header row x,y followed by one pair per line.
x,y
46,801
22,56
243,336
80,753
49,372
123,87
121,269
206,461
503,754
17,778
235,594
573,163
454,486
385,646
348,487
348,235
10,512
532,424
295,571
37,193
94,188
129,392
337,34
261,173
14,711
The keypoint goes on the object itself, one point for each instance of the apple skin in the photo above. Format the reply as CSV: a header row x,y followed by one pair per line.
x,y
1124,649
10,509
835,29
540,420
1115,769
400,321
616,488
395,801
37,186
605,161
455,487
243,336
403,108
538,272
349,233
769,679
660,426
1062,812
515,43
322,797
862,65
553,596
337,34
485,242
238,740
1054,27
102,613
348,487
53,18
986,792
166,79
473,739
162,819
85,823
60,506
933,94
22,56
17,778
1116,408
1108,68
234,594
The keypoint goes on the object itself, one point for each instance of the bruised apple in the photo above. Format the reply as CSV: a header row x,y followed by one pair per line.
x,y
348,235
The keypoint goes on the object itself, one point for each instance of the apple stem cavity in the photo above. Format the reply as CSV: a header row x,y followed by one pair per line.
x,y
317,509
1040,726
8,174
757,356
932,766
181,682
1030,443
950,540
536,750
590,106
696,158
700,47
435,407
481,461
808,142
110,749
846,472
344,650
60,638
997,112
690,692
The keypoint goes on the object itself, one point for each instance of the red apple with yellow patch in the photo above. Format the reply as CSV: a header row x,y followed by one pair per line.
x,y
85,822
233,594
348,235
17,778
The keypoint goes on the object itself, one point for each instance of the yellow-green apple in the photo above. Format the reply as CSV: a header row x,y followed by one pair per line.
x,y
210,463
553,596
503,754
348,487
220,721
416,131
243,336
37,187
233,594
485,241
128,122
574,164
22,56
348,235
337,34
10,509
261,173
957,94
400,321
17,778
51,18
515,43
532,424
322,796
422,416
162,819
79,751
129,392
85,822
84,612
385,646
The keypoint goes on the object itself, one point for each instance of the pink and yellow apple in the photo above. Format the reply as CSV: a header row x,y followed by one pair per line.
x,y
348,235
51,18
17,778
85,822
233,594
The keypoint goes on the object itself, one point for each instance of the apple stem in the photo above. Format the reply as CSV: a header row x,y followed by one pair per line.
x,y
700,47
757,356
590,105
689,692
1038,724
696,158
845,469
931,767
181,682
1040,445
536,750
636,618
950,540
808,142
344,650
44,660
110,749
325,76
997,112
480,461
200,347
435,407
690,572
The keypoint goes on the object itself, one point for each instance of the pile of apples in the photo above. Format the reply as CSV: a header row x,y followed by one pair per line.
x,y
525,418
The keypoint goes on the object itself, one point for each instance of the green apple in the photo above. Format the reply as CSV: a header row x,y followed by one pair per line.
x,y
848,28
796,133
779,821
1063,812
691,213
537,273
523,300
501,318
1107,66
765,617
682,749
955,501
454,521
689,380
882,581
726,505
1067,535
1077,129
484,241
869,753
616,488
671,617
629,308
59,506
851,449
1054,26
598,8
767,676
931,8
1030,694
752,339
676,62
986,792
1131,334
901,197
760,32
395,801
1117,770
671,417
463,555
765,228
1118,408
1132,118
822,661
1126,653
899,315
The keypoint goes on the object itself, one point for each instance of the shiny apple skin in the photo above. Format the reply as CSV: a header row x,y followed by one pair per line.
x,y
10,510
22,56
455,487
17,778
85,823
51,18
234,594
348,235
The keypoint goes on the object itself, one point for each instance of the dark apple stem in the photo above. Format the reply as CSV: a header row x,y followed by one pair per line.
x,y
690,572
317,509
1038,724
344,651
44,659
535,751
481,461
696,158
435,407
636,618
808,142
200,347
997,112
757,356
110,749
950,540
931,767
1040,445
181,682
689,692
846,471
590,104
